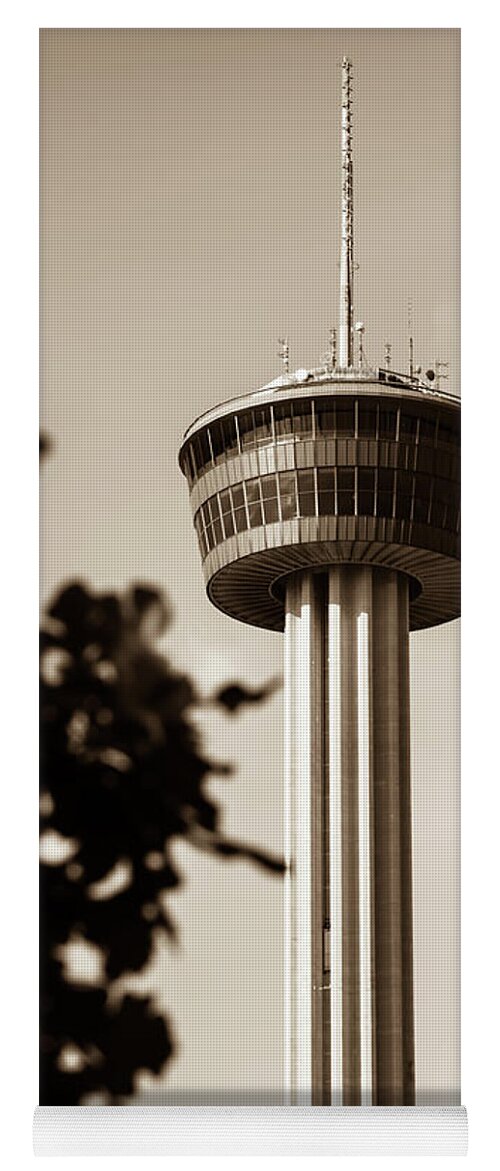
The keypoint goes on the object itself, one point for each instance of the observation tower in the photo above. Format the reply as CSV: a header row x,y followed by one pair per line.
x,y
326,506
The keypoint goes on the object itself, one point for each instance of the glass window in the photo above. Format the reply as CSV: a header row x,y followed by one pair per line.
x,y
238,497
218,534
307,499
262,420
253,491
240,515
255,515
449,432
446,463
206,448
404,483
269,489
345,418
425,457
192,460
407,427
387,422
444,503
224,438
229,436
240,519
206,514
271,510
452,518
306,480
196,456
385,491
302,419
202,452
213,508
326,492
367,419
227,516
268,486
283,420
438,513
225,501
366,491
345,491
246,429
217,442
403,507
445,490
325,417
422,497
404,492
254,503
288,495
188,466
427,431
420,510
228,523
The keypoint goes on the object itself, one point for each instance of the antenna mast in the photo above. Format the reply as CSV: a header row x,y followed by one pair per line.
x,y
346,254
410,338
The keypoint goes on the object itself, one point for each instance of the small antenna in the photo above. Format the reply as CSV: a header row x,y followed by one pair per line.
x,y
332,357
359,330
329,358
439,366
284,353
347,248
388,355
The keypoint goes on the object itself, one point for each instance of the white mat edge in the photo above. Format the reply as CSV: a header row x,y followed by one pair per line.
x,y
250,1130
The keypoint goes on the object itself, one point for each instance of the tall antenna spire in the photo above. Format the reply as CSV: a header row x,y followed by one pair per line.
x,y
410,337
346,254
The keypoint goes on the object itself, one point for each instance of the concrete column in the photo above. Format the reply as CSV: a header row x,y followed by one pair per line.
x,y
348,898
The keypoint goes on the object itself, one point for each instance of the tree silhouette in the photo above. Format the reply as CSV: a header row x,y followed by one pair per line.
x,y
122,773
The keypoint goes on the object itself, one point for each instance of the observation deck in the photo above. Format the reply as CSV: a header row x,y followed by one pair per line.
x,y
324,468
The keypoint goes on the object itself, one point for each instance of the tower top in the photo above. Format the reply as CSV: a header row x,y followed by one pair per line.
x,y
341,464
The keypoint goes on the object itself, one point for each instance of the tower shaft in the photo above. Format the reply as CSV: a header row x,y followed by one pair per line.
x,y
347,226
348,959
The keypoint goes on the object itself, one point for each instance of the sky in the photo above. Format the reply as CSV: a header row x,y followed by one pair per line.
x,y
190,188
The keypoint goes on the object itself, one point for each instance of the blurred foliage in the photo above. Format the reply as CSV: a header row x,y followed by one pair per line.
x,y
233,695
122,774
44,445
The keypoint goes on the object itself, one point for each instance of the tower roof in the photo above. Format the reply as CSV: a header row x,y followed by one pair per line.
x,y
311,383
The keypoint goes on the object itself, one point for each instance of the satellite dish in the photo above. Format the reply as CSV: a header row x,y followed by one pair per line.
x,y
301,375
430,375
359,327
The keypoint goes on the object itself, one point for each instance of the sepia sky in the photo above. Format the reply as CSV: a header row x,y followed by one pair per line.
x,y
190,215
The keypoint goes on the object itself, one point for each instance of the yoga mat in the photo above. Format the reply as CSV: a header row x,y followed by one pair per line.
x,y
250,592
